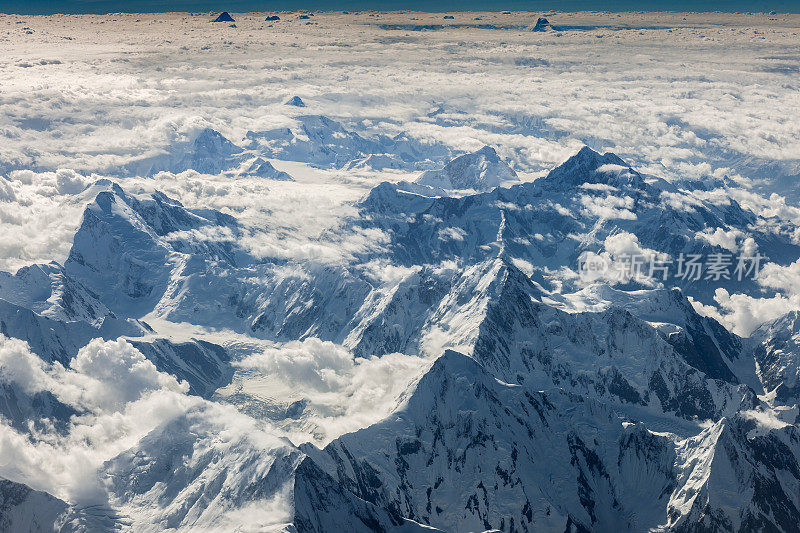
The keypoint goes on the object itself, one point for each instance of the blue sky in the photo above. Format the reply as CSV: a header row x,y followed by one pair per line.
x,y
106,6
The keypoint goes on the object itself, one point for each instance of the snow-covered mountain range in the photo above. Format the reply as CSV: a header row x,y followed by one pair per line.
x,y
531,398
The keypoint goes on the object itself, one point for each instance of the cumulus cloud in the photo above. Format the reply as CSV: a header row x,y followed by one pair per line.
x,y
608,207
69,182
743,313
452,234
344,393
120,397
722,238
623,259
117,374
39,214
783,278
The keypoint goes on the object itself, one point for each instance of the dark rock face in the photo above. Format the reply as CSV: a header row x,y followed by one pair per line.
x,y
542,24
205,366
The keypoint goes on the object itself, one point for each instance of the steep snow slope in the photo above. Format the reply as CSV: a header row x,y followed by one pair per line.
x,y
776,349
128,246
742,474
467,452
24,509
32,511
494,313
55,314
50,292
199,471
590,204
23,410
205,366
702,341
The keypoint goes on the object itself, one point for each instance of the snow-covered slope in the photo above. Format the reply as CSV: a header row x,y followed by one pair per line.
x,y
482,170
776,350
32,511
702,341
590,204
203,365
540,401
742,474
468,452
127,247
24,509
496,313
55,314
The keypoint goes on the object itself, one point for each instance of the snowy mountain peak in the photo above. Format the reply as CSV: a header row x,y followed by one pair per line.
x,y
211,143
588,166
207,152
262,168
482,170
295,101
702,341
776,348
542,24
127,245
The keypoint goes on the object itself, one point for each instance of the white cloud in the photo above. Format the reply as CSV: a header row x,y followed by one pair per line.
x,y
452,234
608,207
345,393
623,259
783,278
122,397
722,238
69,182
742,313
682,201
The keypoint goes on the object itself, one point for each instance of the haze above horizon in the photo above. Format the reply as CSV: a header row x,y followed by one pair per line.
x,y
47,7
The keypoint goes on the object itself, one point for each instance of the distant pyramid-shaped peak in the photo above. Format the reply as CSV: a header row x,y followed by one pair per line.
x,y
542,24
295,101
224,17
588,166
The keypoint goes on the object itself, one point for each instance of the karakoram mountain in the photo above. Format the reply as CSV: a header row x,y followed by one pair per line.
x,y
543,402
